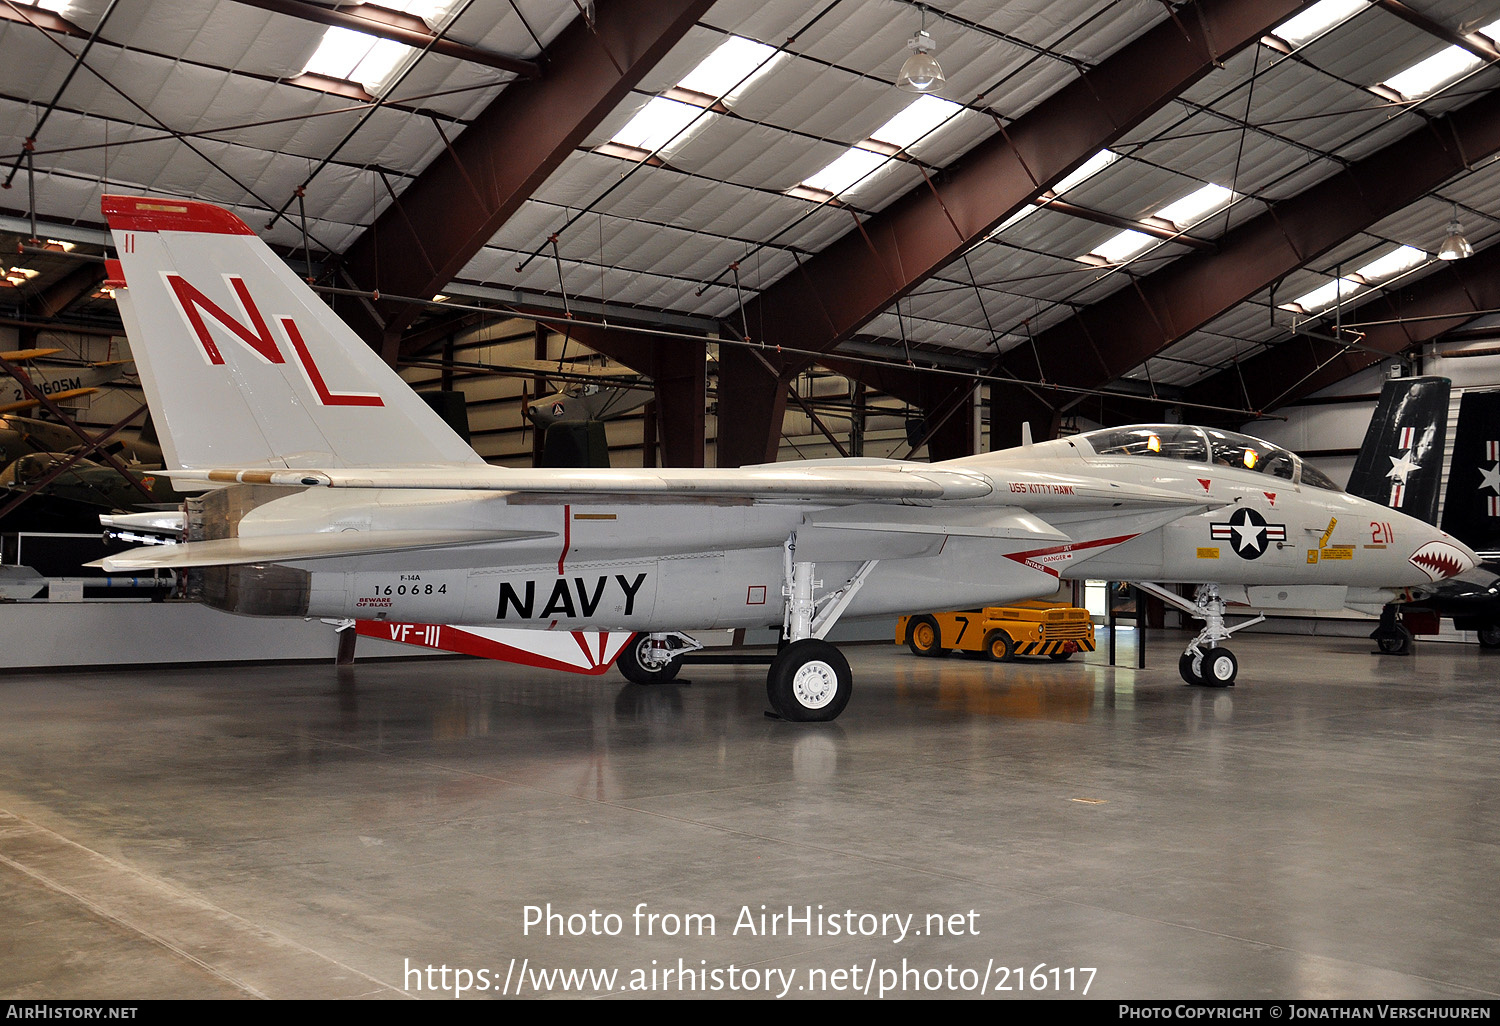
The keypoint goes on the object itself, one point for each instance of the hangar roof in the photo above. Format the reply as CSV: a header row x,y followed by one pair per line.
x,y
692,219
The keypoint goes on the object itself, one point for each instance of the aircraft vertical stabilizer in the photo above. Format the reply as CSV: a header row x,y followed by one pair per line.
x,y
243,364
1471,512
1400,464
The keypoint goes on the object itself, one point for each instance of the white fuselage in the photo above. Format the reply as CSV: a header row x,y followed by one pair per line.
x,y
640,564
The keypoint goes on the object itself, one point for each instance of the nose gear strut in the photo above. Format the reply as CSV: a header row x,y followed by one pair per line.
x,y
1205,661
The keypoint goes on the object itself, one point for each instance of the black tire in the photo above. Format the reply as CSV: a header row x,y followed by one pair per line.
x,y
1489,635
923,636
1219,668
809,682
635,669
1190,668
1060,657
1397,642
999,646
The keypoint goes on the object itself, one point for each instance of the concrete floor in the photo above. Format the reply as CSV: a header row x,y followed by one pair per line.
x,y
1327,829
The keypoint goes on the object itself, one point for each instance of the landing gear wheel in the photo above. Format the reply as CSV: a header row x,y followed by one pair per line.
x,y
636,662
923,637
1397,642
1190,666
1219,668
809,681
1489,636
999,647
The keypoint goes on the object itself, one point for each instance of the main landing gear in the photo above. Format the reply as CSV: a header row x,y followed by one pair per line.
x,y
653,658
1205,661
809,678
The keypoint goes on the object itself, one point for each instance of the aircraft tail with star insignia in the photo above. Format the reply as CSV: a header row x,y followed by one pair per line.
x,y
1471,510
1400,464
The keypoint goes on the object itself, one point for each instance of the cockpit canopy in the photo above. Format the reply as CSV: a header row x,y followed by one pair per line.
x,y
1205,445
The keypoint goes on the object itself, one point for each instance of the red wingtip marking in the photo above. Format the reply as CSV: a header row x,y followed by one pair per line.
x,y
114,274
143,214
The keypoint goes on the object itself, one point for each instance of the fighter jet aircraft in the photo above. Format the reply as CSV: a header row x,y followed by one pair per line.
x,y
1401,464
341,495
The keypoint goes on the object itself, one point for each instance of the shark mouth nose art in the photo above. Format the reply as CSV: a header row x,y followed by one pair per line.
x,y
1440,560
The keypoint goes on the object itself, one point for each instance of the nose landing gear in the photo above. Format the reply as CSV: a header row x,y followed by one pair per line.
x,y
1205,661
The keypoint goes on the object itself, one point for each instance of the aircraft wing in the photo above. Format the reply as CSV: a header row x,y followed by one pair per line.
x,y
842,484
830,482
57,397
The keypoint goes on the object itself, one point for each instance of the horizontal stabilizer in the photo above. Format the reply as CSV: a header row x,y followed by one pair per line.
x,y
21,355
286,548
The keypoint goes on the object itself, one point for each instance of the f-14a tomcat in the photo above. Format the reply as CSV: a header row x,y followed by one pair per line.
x,y
337,493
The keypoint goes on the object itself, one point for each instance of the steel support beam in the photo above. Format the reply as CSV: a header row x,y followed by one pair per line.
x,y
1102,342
843,287
473,187
82,280
946,402
679,372
1451,295
373,20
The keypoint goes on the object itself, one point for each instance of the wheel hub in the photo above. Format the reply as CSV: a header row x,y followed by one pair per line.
x,y
814,684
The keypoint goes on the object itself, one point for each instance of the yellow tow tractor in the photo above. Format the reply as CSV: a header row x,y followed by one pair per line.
x,y
1001,632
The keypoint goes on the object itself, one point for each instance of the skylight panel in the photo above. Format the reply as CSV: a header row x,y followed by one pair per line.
x,y
1088,169
1181,214
919,118
844,172
1396,262
357,57
1392,264
1124,246
733,67
1428,76
1195,206
658,123
1324,295
1316,20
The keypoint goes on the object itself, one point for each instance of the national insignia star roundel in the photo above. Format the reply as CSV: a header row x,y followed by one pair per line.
x,y
1247,533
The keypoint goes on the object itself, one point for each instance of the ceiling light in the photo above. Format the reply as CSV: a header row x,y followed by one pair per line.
x,y
1455,246
921,73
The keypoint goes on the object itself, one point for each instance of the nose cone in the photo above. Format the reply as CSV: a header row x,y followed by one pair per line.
x,y
1444,557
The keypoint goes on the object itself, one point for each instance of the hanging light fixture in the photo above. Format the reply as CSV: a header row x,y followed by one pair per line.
x,y
1455,246
921,73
